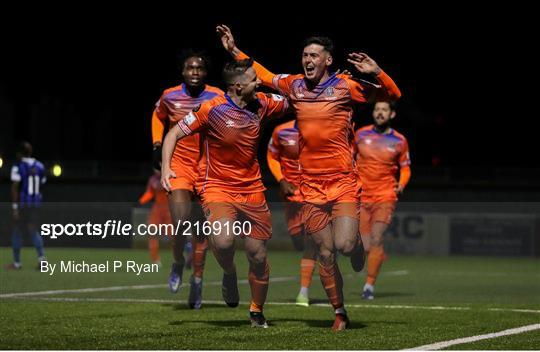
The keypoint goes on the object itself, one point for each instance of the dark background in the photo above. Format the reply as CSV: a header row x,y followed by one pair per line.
x,y
81,83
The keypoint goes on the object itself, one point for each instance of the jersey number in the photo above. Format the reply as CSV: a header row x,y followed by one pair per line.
x,y
33,185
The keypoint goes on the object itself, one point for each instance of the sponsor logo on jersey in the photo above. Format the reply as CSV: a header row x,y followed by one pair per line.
x,y
189,119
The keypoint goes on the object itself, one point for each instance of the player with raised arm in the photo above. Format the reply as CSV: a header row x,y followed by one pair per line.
x,y
323,103
230,183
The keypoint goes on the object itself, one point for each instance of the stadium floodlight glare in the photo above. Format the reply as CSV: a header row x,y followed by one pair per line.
x,y
1,162
57,170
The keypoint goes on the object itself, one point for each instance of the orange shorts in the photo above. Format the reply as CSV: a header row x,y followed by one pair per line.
x,y
374,212
240,207
317,216
186,173
293,216
326,198
323,189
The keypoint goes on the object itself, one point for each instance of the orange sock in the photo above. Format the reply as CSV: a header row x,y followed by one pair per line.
x,y
307,266
199,255
153,246
259,288
330,281
375,259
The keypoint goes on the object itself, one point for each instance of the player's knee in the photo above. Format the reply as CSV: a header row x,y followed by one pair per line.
x,y
346,245
257,258
222,245
376,241
326,257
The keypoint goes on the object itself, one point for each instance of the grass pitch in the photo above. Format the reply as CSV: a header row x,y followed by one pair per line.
x,y
419,300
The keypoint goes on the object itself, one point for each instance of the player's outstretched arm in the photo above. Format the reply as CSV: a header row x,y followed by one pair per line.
x,y
404,177
174,134
364,64
227,39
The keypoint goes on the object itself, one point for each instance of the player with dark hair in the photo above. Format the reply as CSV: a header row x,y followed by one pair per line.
x,y
27,179
323,103
381,152
230,180
174,104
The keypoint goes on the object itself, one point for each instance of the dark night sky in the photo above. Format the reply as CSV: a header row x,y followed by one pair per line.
x,y
83,85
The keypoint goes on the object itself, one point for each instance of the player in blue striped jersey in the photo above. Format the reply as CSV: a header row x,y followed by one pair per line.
x,y
27,177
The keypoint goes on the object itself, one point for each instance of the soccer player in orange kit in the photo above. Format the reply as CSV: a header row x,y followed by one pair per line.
x,y
381,152
282,158
231,188
159,213
323,103
174,104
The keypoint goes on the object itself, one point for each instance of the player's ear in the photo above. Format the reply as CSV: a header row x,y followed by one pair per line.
x,y
392,114
238,88
329,60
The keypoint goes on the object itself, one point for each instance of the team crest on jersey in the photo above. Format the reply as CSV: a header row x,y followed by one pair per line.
x,y
276,97
289,142
189,119
329,91
299,91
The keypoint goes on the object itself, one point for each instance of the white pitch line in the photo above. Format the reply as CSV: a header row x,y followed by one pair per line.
x,y
79,290
444,344
144,287
121,288
324,305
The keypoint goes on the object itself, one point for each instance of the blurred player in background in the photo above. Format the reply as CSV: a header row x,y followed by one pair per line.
x,y
323,104
231,189
381,152
159,213
282,157
27,179
174,104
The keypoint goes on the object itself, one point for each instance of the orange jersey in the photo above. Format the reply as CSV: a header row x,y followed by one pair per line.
x,y
231,137
154,191
283,147
324,113
324,120
379,157
175,103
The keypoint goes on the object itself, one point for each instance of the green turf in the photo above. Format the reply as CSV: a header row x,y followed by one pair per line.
x,y
474,286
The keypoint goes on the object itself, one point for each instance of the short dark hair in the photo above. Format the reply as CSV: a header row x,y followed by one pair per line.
x,y
234,69
391,103
188,53
25,149
325,42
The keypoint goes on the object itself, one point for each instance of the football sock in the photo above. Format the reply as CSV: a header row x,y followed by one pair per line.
x,y
258,282
16,244
375,260
199,256
330,284
38,243
307,266
153,246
